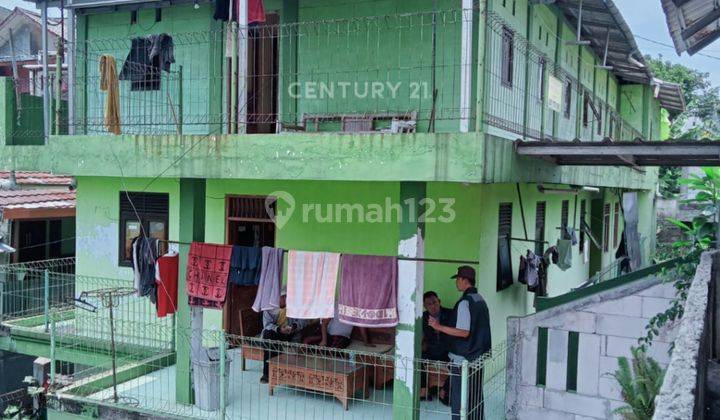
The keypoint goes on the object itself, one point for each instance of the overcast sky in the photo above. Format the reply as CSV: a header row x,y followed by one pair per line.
x,y
646,20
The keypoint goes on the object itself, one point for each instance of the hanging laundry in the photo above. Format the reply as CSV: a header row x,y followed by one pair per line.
x,y
145,254
551,255
205,303
270,284
207,274
504,275
109,83
569,233
166,281
564,249
222,10
531,271
225,10
256,11
245,264
311,281
147,57
368,291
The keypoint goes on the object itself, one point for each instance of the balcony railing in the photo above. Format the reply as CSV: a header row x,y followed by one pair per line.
x,y
398,73
87,345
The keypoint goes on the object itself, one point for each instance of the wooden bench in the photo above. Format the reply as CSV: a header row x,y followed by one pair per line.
x,y
340,378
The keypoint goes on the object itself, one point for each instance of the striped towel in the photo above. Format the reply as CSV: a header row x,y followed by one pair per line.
x,y
311,281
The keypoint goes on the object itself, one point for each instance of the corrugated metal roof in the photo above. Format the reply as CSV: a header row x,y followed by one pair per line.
x,y
693,24
35,199
38,178
670,96
601,18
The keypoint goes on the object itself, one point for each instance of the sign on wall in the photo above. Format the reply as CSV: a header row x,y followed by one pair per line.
x,y
555,90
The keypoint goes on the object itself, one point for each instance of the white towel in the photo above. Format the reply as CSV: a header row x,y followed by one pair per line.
x,y
311,281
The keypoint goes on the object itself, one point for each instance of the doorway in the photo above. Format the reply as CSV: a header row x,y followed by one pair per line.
x,y
263,68
248,222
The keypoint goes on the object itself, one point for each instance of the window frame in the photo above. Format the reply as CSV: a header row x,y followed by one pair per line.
x,y
504,233
568,99
606,227
542,66
616,225
583,213
507,60
141,216
540,209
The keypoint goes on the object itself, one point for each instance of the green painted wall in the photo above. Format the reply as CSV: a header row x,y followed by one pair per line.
x,y
198,41
420,157
97,221
471,235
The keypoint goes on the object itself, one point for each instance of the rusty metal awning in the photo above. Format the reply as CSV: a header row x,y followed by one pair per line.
x,y
632,154
693,24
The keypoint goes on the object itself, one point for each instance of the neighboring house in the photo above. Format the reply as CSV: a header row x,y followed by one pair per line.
x,y
37,216
357,106
25,29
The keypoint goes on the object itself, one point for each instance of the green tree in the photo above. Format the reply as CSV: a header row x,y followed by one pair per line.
x,y
702,103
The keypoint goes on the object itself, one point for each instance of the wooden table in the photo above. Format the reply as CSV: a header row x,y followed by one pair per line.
x,y
337,377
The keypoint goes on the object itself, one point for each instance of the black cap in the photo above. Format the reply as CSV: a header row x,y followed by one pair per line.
x,y
465,271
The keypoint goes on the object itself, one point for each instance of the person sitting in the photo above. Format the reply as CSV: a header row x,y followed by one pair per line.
x,y
435,344
278,327
336,334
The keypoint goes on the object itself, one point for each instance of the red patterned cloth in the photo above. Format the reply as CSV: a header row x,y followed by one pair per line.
x,y
166,279
207,274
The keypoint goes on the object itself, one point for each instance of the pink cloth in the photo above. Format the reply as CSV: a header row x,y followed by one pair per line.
x,y
311,281
368,291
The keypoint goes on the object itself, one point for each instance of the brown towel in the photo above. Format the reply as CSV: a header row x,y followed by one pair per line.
x,y
109,84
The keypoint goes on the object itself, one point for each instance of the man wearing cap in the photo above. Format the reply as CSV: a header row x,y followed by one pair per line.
x,y
470,340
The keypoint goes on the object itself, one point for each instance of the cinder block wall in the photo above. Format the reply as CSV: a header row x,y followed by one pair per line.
x,y
564,357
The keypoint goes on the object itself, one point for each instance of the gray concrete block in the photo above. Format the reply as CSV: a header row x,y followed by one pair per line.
x,y
536,413
608,365
619,346
628,306
621,326
588,361
652,306
583,322
529,395
577,404
662,290
557,360
529,360
609,388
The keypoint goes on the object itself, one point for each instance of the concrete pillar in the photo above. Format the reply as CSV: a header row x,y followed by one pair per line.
x,y
406,386
192,228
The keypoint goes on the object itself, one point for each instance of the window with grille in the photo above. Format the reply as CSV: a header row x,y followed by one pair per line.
x,y
504,259
606,227
564,215
249,208
542,64
599,122
508,56
141,214
586,110
568,98
540,228
583,209
616,227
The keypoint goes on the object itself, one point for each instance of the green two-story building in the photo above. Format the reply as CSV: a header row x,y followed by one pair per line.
x,y
382,127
